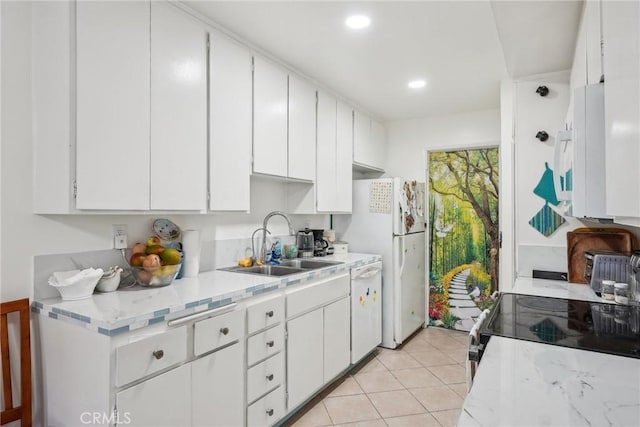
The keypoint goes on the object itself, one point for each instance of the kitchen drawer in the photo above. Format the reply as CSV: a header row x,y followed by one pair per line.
x,y
306,297
265,313
265,344
265,376
218,331
141,358
268,410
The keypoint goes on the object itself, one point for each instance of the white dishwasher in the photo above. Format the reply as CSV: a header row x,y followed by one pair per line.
x,y
366,309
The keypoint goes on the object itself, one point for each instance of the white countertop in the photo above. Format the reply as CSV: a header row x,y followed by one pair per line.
x,y
128,309
522,383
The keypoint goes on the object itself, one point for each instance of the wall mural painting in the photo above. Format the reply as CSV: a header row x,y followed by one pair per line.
x,y
464,235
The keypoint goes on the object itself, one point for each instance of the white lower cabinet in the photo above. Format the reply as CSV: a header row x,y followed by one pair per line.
x,y
164,400
304,356
336,338
318,336
217,392
268,410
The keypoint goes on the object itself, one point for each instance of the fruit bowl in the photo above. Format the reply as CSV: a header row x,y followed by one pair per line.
x,y
163,276
156,276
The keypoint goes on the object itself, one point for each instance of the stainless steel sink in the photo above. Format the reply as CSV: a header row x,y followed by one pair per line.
x,y
308,264
266,270
289,266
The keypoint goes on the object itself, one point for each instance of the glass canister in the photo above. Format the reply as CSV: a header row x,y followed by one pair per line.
x,y
621,293
607,290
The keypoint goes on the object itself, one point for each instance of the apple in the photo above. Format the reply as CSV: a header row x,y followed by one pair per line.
x,y
153,241
151,263
137,259
139,248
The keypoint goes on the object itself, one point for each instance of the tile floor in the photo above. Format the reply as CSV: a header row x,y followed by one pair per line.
x,y
422,383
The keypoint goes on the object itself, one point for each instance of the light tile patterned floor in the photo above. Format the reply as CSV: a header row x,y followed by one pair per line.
x,y
422,383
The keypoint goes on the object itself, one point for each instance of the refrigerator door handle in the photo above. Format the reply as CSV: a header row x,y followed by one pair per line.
x,y
403,257
368,273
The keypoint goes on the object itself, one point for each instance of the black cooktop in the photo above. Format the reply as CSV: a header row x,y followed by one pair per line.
x,y
607,328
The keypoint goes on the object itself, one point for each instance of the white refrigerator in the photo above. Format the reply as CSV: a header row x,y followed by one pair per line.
x,y
388,218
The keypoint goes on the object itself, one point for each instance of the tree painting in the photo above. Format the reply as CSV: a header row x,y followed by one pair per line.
x,y
464,234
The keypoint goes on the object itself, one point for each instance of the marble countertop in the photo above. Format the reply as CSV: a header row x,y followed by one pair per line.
x,y
522,383
129,309
556,289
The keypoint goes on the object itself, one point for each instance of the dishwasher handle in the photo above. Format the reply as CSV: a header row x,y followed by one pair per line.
x,y
368,273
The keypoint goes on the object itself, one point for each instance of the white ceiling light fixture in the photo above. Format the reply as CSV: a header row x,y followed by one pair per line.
x,y
358,22
417,84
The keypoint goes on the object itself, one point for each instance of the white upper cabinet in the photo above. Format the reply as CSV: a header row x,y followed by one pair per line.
x,y
113,102
178,110
326,153
344,158
593,33
369,142
230,125
302,130
621,35
269,118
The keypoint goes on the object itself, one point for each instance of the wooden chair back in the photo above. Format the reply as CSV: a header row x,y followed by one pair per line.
x,y
22,412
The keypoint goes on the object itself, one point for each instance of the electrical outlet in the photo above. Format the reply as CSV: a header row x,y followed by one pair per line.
x,y
119,236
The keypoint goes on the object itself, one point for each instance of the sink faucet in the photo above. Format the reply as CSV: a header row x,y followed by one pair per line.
x,y
263,252
254,258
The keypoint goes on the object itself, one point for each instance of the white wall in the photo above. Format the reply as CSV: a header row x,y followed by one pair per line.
x,y
25,235
408,139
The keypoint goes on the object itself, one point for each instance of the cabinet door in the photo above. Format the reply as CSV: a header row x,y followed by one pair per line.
x,y
113,96
230,125
304,357
178,110
269,118
164,400
591,24
621,32
379,144
344,158
326,154
302,130
217,382
337,338
361,137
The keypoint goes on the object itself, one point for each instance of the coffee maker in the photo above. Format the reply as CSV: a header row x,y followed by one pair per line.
x,y
320,245
306,244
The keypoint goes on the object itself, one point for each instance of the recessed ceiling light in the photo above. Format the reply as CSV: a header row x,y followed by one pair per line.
x,y
417,84
358,22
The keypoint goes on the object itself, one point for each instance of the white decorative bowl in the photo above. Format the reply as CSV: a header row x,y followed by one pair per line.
x,y
76,284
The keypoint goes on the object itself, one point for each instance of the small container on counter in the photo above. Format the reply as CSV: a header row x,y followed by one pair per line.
x,y
621,293
608,289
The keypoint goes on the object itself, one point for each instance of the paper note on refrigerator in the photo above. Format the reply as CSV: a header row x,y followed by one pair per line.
x,y
380,197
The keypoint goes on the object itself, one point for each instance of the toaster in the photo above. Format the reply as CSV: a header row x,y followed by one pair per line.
x,y
605,265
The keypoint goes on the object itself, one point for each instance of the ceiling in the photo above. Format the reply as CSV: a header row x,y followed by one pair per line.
x,y
456,46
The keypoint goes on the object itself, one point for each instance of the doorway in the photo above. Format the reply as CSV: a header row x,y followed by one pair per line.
x,y
464,234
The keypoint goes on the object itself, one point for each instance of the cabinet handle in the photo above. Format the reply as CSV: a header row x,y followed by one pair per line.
x,y
224,331
270,343
270,412
270,313
158,354
270,377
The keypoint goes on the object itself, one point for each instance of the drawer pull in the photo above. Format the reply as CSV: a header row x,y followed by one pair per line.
x,y
158,354
270,343
270,412
224,331
270,377
270,313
